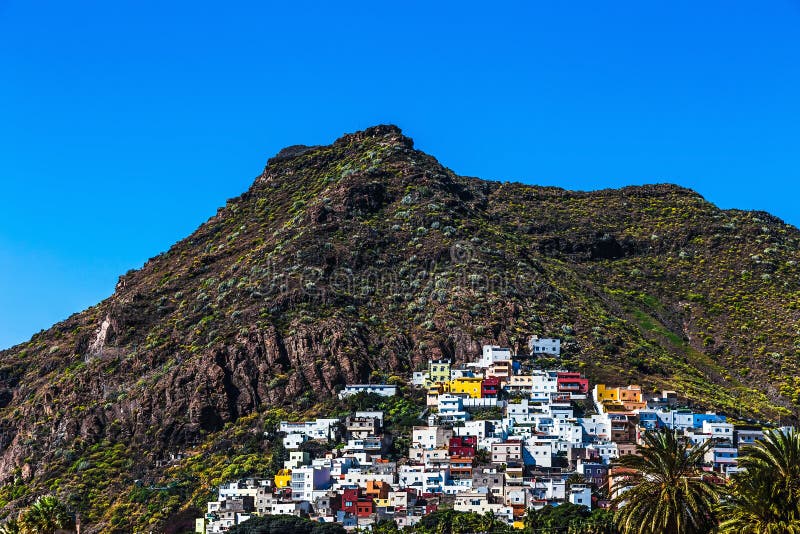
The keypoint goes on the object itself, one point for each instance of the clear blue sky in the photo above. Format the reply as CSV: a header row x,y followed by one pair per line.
x,y
124,125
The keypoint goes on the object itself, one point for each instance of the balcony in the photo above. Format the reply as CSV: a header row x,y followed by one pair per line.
x,y
728,456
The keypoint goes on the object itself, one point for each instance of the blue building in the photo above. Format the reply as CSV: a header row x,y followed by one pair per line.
x,y
699,418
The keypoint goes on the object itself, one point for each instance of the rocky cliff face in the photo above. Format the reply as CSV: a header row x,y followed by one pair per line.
x,y
368,257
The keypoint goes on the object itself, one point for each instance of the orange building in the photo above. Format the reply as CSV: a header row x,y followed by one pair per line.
x,y
377,489
625,397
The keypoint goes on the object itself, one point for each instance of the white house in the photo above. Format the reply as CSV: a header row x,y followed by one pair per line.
x,y
551,489
422,479
463,373
337,466
481,429
451,409
581,494
478,502
319,429
539,451
236,503
544,346
369,444
519,412
597,425
748,436
385,390
543,385
696,437
569,431
297,459
492,354
419,378
307,480
452,487
360,477
560,411
246,488
544,423
404,521
430,437
293,441
222,519
719,430
291,508
676,419
606,450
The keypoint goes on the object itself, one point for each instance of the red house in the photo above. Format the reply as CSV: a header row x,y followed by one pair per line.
x,y
353,502
489,387
365,508
464,446
349,500
572,383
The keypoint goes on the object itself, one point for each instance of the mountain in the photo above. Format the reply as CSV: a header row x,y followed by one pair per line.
x,y
363,259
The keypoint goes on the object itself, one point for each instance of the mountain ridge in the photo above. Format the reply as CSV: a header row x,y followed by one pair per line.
x,y
364,258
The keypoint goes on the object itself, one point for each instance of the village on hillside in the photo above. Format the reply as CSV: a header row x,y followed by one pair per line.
x,y
498,435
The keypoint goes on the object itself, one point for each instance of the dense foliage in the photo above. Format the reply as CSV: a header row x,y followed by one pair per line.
x,y
563,519
570,519
282,524
765,498
452,522
45,516
669,490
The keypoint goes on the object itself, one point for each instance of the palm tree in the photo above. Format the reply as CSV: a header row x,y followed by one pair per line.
x,y
765,497
489,523
600,522
45,516
10,527
666,489
462,523
531,521
749,508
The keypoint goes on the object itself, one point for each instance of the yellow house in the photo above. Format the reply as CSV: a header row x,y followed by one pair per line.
x,y
438,372
470,385
629,397
283,478
604,394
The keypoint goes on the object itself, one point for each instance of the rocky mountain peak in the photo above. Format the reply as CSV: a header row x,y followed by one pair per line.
x,y
384,133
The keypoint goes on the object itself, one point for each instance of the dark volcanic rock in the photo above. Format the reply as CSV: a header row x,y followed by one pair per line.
x,y
290,152
606,247
365,198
